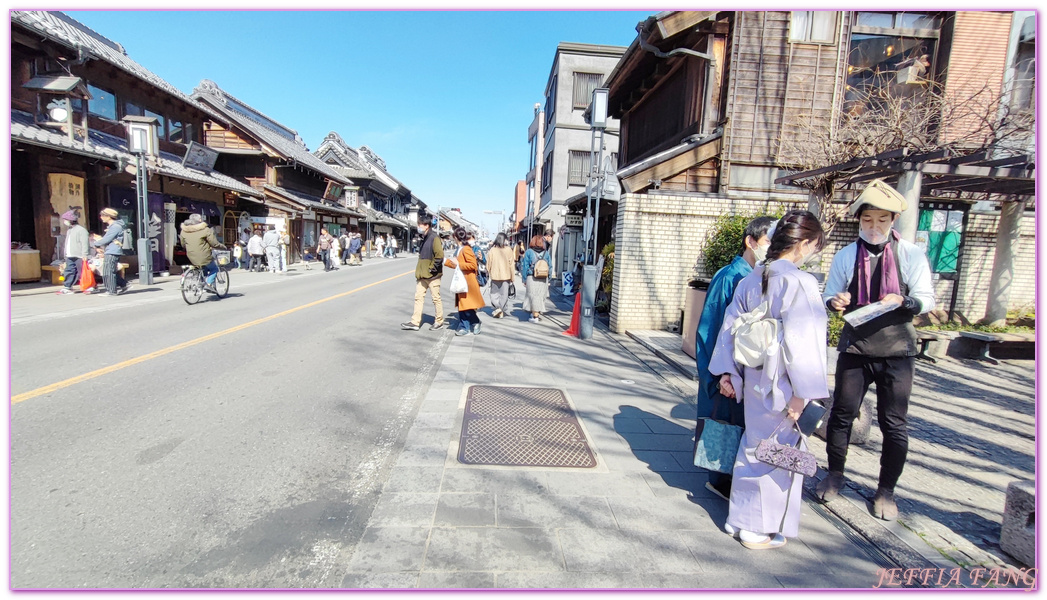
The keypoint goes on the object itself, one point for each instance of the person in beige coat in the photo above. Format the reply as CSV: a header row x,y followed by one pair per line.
x,y
500,264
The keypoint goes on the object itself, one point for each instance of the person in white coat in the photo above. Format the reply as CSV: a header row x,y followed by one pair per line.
x,y
878,268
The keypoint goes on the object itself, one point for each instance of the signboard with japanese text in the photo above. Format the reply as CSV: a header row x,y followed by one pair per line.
x,y
67,192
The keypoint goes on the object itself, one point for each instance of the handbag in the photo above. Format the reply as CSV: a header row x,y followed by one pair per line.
x,y
512,290
87,276
783,456
716,443
458,283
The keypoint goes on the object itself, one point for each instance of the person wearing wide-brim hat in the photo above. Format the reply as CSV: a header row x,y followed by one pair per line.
x,y
111,240
882,267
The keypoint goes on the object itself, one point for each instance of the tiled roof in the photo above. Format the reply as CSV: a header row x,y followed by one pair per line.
x,y
312,201
376,216
363,159
112,148
63,29
280,139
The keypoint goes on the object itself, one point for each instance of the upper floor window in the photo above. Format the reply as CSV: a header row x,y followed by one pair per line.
x,y
892,56
547,168
102,103
578,162
175,132
1024,94
550,102
161,128
813,26
584,84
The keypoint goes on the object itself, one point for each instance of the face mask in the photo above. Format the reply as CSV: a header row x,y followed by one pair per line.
x,y
873,237
760,252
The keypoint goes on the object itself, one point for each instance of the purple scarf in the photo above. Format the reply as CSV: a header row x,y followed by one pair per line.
x,y
888,272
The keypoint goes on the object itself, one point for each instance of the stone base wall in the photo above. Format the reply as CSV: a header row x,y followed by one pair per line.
x,y
659,237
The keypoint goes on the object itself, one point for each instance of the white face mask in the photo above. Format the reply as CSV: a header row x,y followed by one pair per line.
x,y
760,252
872,236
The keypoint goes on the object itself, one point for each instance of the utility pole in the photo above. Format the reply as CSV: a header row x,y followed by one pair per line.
x,y
597,119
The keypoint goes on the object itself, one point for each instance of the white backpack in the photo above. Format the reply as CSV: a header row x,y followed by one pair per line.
x,y
757,335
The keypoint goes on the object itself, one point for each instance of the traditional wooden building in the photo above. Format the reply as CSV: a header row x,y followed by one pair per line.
x,y
710,103
389,206
302,193
70,89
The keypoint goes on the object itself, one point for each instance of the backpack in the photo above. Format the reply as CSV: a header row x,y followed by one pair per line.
x,y
541,268
757,335
127,243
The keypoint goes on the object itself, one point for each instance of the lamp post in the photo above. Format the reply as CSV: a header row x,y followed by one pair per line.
x,y
596,116
142,140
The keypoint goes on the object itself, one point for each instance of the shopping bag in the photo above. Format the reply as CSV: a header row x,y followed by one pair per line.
x,y
458,283
717,445
87,276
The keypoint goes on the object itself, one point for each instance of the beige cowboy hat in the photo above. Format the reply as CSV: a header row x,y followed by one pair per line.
x,y
880,195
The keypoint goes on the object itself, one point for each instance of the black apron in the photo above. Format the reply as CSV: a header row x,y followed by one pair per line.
x,y
888,335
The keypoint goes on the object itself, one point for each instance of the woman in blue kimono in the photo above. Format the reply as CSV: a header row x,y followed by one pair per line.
x,y
765,500
721,290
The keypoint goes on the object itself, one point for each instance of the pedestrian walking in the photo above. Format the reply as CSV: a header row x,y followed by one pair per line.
x,y
394,246
336,251
323,248
472,299
500,261
271,245
878,268
765,500
77,247
256,248
355,249
534,270
238,253
379,246
427,275
245,238
343,242
521,249
112,239
285,245
721,290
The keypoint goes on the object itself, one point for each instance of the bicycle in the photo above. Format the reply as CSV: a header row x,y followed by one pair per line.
x,y
194,282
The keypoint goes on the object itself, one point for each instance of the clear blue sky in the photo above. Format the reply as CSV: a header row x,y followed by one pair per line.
x,y
443,97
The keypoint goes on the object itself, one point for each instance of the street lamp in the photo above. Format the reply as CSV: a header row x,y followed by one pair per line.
x,y
142,140
596,117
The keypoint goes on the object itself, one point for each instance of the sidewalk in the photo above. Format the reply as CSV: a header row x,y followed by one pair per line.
x,y
641,518
972,432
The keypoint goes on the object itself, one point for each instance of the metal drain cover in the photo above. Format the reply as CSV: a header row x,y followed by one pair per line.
x,y
522,427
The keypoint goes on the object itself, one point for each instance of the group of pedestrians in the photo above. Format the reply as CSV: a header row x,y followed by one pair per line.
x,y
78,252
385,249
260,251
476,267
351,248
765,284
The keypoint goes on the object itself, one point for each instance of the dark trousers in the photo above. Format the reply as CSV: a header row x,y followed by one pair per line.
x,y
111,274
893,379
325,256
469,316
72,271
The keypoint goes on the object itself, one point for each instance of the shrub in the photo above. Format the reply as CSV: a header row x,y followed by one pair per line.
x,y
836,324
725,239
607,277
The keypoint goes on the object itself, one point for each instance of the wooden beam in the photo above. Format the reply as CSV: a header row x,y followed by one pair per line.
x,y
673,166
682,20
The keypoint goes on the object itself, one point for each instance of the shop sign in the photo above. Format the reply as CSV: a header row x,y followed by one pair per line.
x,y
200,157
573,220
230,198
343,220
67,191
309,214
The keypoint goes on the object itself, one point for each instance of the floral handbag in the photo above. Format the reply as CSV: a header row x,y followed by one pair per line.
x,y
790,458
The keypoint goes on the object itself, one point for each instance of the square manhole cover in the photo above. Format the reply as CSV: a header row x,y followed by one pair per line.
x,y
522,427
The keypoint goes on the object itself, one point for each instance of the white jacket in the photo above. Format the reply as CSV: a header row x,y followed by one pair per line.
x,y
913,266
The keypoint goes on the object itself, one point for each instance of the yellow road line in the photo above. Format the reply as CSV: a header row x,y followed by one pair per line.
x,y
140,359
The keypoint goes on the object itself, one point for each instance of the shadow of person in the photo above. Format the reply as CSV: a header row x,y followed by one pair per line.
x,y
668,449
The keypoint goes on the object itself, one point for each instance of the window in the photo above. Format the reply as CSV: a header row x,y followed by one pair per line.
x,y
578,162
547,168
887,60
161,129
584,84
175,132
102,103
550,102
534,153
47,66
1024,95
130,108
813,26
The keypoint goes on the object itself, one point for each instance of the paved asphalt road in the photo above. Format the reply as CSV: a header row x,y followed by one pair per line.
x,y
252,459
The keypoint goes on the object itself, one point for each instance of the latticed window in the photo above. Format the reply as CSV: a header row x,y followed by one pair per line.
x,y
578,162
584,84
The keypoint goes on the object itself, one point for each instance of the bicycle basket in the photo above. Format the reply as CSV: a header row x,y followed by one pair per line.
x,y
221,257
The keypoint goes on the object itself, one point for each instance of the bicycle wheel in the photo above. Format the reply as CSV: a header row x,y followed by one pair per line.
x,y
192,286
221,283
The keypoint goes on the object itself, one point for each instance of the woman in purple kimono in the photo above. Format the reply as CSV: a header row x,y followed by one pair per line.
x,y
765,500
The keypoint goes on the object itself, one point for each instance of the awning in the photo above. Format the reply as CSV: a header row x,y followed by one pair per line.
x,y
113,149
308,201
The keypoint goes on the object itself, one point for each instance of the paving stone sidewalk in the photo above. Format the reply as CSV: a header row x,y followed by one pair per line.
x,y
641,519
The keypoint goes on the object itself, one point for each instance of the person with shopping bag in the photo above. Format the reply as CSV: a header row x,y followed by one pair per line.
x,y
471,299
771,352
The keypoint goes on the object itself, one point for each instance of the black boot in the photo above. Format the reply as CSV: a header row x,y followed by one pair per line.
x,y
884,506
829,488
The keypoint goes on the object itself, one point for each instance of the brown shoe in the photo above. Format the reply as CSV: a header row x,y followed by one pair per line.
x,y
829,488
884,506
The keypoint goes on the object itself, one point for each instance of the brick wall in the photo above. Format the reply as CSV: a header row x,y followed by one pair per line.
x,y
659,239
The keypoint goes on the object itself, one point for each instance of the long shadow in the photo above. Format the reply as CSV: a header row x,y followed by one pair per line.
x,y
637,427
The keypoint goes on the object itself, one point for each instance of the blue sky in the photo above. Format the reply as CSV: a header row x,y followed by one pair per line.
x,y
443,97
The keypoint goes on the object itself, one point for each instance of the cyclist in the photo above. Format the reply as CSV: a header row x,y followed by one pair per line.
x,y
198,239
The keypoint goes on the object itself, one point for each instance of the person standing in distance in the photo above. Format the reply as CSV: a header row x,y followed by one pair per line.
x,y
882,267
755,242
428,276
77,245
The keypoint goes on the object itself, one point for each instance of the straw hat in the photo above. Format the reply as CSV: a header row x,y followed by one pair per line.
x,y
880,195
